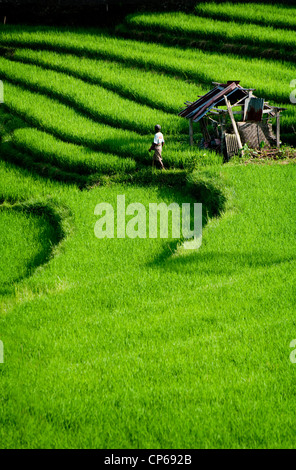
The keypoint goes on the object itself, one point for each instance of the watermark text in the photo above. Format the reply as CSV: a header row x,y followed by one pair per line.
x,y
158,221
1,352
293,353
1,92
293,93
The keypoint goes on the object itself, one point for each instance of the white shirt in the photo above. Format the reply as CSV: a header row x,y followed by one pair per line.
x,y
158,138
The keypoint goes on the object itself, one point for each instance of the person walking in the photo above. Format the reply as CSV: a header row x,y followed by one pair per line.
x,y
157,145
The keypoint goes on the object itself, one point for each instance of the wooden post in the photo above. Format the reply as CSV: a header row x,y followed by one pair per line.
x,y
233,123
278,142
190,131
204,130
223,125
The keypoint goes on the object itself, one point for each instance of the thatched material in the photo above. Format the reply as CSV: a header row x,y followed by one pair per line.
x,y
253,133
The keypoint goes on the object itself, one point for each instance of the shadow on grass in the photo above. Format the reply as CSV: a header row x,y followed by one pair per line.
x,y
126,144
92,114
215,42
83,75
177,183
46,170
217,263
52,218
268,50
274,22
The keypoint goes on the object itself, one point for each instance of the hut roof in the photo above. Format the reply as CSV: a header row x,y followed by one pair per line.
x,y
234,92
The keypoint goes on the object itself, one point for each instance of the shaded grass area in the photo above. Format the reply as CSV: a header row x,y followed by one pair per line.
x,y
148,375
70,157
17,135
271,78
203,28
164,92
49,157
238,33
25,244
275,15
207,43
173,60
93,101
30,233
69,126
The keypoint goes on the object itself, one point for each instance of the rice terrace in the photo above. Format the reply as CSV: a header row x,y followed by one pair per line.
x,y
129,340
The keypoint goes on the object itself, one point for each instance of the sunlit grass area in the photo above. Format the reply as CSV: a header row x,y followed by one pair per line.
x,y
156,343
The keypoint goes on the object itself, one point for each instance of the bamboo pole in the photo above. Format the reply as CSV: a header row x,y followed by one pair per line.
x,y
191,132
223,125
233,123
278,142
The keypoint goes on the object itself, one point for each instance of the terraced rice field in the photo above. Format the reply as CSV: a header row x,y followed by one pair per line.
x,y
202,27
138,343
277,16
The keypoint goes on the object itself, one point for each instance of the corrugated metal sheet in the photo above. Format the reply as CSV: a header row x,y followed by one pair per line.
x,y
213,98
231,145
253,109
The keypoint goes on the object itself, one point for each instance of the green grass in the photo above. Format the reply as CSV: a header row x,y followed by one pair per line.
x,y
271,78
69,125
173,60
200,27
26,242
148,375
277,16
68,156
164,92
138,343
17,134
92,100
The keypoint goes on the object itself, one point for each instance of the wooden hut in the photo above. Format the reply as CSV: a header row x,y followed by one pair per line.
x,y
216,110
